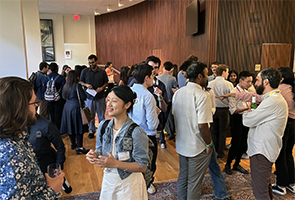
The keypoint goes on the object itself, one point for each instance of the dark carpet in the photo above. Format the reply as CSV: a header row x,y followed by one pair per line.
x,y
238,187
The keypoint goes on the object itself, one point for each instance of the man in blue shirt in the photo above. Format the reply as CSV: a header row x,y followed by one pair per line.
x,y
145,111
41,80
42,135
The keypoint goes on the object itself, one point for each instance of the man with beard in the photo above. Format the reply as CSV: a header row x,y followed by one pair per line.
x,y
21,177
96,79
267,124
193,141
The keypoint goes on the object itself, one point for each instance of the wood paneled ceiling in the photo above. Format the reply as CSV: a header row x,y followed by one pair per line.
x,y
83,7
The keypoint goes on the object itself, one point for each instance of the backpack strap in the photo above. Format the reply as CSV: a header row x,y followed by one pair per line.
x,y
103,129
53,82
130,130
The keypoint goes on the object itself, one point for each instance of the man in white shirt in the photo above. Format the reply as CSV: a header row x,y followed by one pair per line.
x,y
267,124
238,130
145,112
221,119
192,111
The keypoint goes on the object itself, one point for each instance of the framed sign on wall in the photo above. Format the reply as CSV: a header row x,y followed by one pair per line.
x,y
47,41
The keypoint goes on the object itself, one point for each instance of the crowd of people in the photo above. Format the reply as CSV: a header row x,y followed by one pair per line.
x,y
196,109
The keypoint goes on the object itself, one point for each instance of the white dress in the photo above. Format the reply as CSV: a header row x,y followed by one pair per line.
x,y
131,188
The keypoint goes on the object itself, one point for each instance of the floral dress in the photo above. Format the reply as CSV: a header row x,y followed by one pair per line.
x,y
20,175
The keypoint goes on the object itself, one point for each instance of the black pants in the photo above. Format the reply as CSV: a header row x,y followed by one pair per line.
x,y
155,154
55,111
46,159
239,139
219,129
285,162
79,139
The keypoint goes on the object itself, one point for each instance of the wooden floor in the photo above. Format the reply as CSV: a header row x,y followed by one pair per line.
x,y
85,177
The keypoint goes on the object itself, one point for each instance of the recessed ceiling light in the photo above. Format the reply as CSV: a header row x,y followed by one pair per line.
x,y
120,3
108,8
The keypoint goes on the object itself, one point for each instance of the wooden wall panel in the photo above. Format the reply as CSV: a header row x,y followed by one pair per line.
x,y
243,26
275,55
129,36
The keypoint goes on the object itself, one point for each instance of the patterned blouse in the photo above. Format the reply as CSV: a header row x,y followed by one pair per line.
x,y
20,175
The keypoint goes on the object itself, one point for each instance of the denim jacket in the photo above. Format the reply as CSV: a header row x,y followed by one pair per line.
x,y
138,151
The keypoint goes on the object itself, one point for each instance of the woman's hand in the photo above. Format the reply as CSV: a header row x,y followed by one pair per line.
x,y
56,182
108,162
91,157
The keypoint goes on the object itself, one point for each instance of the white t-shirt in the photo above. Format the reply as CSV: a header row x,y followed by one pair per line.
x,y
191,106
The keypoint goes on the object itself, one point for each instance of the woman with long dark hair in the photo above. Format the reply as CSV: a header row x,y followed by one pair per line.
x,y
124,75
124,156
71,118
285,161
233,77
65,70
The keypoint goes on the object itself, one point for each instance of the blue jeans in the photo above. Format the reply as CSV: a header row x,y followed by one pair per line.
x,y
217,177
96,106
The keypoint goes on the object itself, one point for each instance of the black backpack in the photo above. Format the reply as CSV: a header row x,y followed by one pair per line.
x,y
148,174
33,79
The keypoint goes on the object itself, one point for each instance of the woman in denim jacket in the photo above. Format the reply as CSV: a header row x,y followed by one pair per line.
x,y
122,163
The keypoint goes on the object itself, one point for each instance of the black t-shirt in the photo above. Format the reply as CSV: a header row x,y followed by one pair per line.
x,y
95,78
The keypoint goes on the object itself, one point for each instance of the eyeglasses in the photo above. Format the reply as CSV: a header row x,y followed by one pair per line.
x,y
36,103
156,67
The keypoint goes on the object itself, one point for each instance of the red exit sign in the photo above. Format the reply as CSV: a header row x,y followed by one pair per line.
x,y
76,17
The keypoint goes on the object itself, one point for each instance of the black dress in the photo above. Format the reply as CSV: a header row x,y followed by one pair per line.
x,y
71,122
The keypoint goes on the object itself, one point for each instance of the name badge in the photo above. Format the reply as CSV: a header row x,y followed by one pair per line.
x,y
123,155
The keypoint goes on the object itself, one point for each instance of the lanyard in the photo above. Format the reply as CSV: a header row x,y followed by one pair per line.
x,y
278,91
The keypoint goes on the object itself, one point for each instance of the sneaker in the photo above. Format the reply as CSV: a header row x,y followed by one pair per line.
x,y
163,146
291,188
151,189
227,170
279,190
228,146
91,135
240,169
245,156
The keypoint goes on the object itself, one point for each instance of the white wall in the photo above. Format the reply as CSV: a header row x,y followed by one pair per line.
x,y
32,34
76,36
20,41
12,44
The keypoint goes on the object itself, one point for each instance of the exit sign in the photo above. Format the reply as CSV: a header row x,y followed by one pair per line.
x,y
76,17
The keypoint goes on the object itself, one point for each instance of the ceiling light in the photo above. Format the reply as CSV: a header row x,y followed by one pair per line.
x,y
120,3
96,13
108,8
